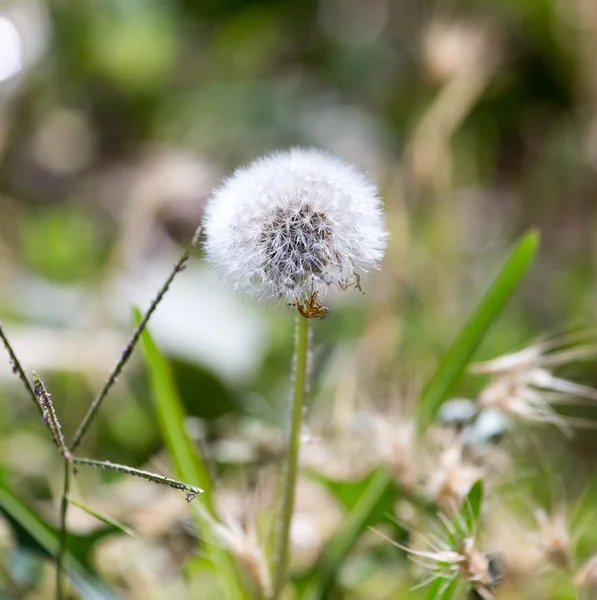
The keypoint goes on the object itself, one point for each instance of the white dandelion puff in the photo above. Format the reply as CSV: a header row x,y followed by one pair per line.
x,y
291,224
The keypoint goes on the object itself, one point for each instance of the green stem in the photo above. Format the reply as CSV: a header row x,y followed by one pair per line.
x,y
62,548
301,357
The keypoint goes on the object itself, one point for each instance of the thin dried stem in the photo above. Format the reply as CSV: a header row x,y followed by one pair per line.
x,y
191,490
178,267
49,416
17,369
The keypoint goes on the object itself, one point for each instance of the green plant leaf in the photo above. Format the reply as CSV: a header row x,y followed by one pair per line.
x,y
378,497
440,589
467,519
450,369
113,523
36,536
187,460
464,524
349,492
459,355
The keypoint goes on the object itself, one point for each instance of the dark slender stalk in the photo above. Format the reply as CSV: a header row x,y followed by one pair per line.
x,y
178,267
18,370
63,545
50,417
191,490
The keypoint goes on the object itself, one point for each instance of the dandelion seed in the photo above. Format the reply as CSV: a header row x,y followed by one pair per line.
x,y
523,386
238,533
393,441
452,478
554,536
291,224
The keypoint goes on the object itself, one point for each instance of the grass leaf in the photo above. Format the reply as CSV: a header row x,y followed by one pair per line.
x,y
187,460
379,491
34,534
459,355
470,510
442,589
114,523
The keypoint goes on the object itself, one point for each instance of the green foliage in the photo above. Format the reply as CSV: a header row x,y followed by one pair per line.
x,y
112,523
467,519
465,524
471,335
48,242
368,502
188,462
157,88
442,589
36,536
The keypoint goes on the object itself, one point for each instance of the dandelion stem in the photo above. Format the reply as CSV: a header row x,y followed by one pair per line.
x,y
294,441
62,547
178,267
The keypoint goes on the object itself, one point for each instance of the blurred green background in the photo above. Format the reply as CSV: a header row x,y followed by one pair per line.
x,y
477,119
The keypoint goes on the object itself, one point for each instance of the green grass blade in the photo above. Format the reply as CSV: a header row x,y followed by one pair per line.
x,y
36,535
188,463
348,532
470,510
441,589
434,394
103,518
459,355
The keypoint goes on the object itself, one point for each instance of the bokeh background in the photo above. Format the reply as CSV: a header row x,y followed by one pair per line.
x,y
477,119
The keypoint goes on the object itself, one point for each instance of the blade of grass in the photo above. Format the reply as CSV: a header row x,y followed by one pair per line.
x,y
452,366
103,518
440,589
459,355
347,534
466,522
45,539
188,463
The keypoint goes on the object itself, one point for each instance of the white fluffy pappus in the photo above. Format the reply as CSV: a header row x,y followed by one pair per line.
x,y
290,224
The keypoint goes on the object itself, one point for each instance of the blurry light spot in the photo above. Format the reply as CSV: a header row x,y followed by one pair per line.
x,y
453,48
64,142
10,49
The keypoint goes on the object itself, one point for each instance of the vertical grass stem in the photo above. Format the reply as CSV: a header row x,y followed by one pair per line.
x,y
301,358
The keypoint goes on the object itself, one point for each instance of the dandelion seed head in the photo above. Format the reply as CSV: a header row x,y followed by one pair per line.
x,y
452,478
522,384
586,577
456,556
554,536
291,224
236,530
